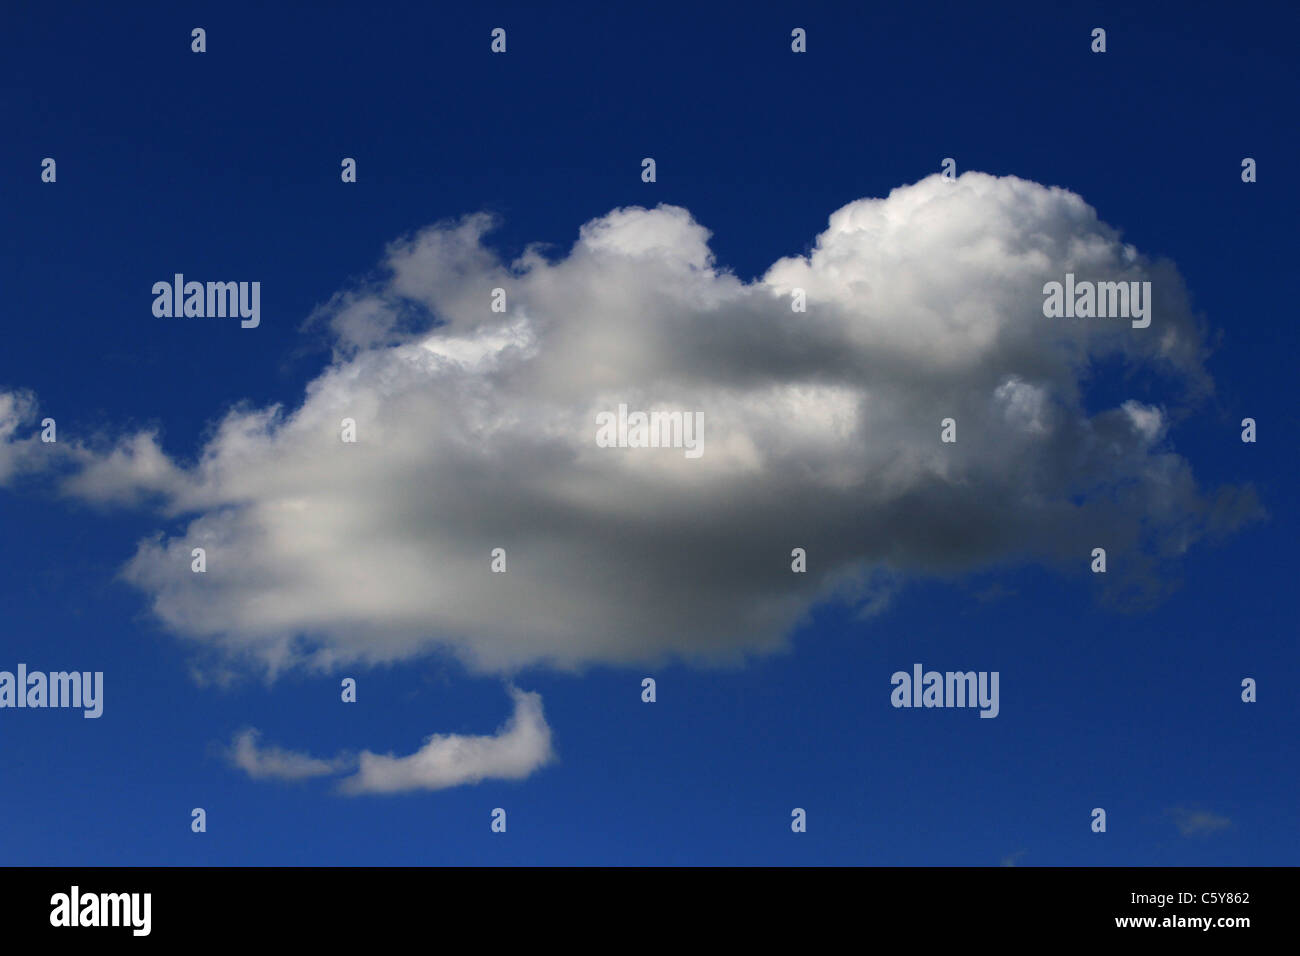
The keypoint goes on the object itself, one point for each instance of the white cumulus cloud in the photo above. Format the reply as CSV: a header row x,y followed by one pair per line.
x,y
476,430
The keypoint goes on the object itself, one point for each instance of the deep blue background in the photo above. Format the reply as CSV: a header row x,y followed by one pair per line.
x,y
227,164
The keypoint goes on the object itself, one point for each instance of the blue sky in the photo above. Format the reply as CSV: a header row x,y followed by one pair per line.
x,y
226,165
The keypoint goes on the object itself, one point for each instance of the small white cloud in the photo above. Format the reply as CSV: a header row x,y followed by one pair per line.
x,y
274,763
18,452
519,747
136,467
1148,421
